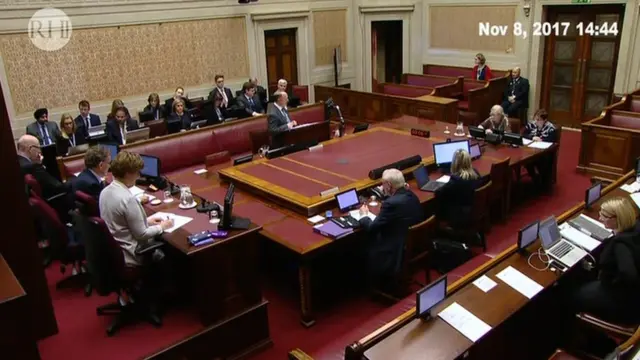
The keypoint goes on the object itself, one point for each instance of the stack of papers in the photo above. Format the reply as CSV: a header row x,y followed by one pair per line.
x,y
444,179
485,283
464,321
315,219
356,215
519,282
540,145
631,188
526,142
178,221
578,237
636,199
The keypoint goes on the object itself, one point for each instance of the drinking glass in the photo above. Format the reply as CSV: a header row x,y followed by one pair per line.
x,y
167,198
186,198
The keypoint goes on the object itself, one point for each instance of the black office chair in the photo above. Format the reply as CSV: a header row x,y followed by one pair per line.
x,y
109,274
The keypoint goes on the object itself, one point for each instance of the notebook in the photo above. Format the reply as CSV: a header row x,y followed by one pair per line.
x,y
332,230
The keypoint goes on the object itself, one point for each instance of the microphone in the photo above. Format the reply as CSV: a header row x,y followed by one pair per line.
x,y
342,124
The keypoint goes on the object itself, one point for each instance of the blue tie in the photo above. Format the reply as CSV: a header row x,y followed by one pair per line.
x,y
251,102
286,116
45,135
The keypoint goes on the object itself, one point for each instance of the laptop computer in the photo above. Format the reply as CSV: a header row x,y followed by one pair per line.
x,y
556,247
475,151
97,130
424,183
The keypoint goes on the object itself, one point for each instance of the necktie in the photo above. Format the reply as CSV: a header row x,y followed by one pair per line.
x,y
252,104
87,122
224,97
286,116
45,135
219,114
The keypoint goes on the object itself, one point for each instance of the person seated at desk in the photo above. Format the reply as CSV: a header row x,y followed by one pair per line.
x,y
225,92
70,136
30,160
249,101
96,166
117,103
220,113
496,122
400,210
480,70
86,120
178,95
46,132
117,128
154,107
179,115
279,120
615,295
261,92
541,129
455,198
516,95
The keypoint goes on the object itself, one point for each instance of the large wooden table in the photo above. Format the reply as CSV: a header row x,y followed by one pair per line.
x,y
288,180
436,339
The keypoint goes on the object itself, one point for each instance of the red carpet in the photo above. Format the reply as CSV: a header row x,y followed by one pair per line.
x,y
82,333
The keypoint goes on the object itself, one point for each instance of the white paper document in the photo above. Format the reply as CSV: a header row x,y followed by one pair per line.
x,y
444,179
178,221
485,283
200,171
356,215
526,142
136,191
540,145
636,199
316,219
631,188
578,237
464,321
520,282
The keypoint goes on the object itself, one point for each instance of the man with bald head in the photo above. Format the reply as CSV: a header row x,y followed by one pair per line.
x,y
30,160
516,95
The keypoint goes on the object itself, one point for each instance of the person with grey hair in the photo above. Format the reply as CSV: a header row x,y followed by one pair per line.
x,y
496,122
388,231
516,94
278,118
30,160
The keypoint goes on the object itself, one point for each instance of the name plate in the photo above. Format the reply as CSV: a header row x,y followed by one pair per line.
x,y
316,148
329,192
421,133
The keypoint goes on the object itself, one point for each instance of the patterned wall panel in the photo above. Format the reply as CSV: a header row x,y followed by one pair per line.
x,y
105,63
456,27
329,32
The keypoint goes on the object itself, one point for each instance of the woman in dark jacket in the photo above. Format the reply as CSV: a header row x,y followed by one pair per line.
x,y
179,115
70,135
455,198
615,295
154,107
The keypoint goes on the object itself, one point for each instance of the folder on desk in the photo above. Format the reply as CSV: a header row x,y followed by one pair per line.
x,y
332,230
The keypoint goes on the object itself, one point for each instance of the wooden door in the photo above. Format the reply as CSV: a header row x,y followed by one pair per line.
x,y
580,66
282,57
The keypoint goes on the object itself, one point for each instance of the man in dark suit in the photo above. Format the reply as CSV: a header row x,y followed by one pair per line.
x,y
90,180
30,160
279,120
86,120
400,210
225,92
516,95
249,101
117,128
260,91
46,132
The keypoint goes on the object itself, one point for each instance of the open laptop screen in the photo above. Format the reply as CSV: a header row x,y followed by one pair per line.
x,y
151,166
593,194
443,152
527,235
421,175
430,296
112,148
549,232
347,199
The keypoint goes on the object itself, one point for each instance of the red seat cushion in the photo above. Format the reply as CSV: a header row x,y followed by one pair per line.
x,y
627,122
463,105
72,167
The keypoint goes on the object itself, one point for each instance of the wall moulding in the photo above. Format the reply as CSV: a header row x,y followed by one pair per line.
x,y
386,9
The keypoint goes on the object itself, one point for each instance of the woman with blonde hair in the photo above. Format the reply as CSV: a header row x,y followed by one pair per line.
x,y
455,198
179,116
615,295
496,122
70,135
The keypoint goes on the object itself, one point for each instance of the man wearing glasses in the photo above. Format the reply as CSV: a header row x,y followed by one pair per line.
x,y
30,160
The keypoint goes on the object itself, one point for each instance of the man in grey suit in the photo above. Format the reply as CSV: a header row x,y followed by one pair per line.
x,y
46,132
279,120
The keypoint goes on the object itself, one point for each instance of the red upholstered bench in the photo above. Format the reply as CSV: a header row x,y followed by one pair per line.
x,y
625,119
411,91
447,70
308,114
431,81
70,165
635,104
335,349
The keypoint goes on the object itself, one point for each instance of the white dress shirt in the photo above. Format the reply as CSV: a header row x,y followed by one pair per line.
x,y
126,220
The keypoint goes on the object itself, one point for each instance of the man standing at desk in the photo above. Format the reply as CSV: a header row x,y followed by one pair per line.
x,y
400,210
279,120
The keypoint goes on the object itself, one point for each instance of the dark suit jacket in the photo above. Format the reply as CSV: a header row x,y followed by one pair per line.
x,y
52,129
80,124
455,200
49,185
63,145
157,112
619,263
519,88
390,228
184,119
113,131
227,91
88,183
243,103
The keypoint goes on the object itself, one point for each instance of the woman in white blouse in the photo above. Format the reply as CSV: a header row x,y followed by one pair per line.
x,y
123,213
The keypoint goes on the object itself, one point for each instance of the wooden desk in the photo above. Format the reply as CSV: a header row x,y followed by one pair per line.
x,y
290,229
16,342
417,339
